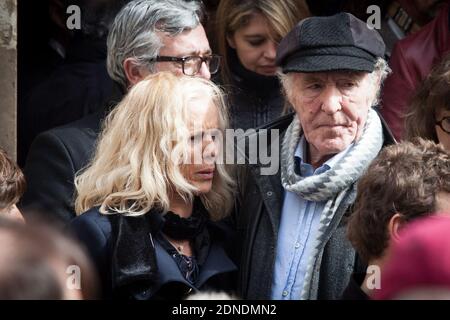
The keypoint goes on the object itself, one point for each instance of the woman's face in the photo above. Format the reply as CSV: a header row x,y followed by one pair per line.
x,y
443,136
254,47
204,142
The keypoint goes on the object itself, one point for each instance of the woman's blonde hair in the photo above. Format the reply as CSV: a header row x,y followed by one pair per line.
x,y
282,16
137,161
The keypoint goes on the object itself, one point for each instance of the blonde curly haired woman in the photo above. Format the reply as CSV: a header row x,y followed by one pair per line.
x,y
154,191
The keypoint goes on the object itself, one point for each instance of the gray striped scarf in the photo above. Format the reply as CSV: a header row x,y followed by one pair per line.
x,y
332,185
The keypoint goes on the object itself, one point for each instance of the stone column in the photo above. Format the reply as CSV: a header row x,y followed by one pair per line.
x,y
8,76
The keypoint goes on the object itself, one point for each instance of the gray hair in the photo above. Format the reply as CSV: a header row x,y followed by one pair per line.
x,y
378,75
134,32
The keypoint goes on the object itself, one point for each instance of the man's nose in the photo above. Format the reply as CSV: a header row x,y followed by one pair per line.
x,y
331,100
204,72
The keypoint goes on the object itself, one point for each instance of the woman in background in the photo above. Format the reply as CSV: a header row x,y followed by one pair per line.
x,y
153,191
248,33
429,114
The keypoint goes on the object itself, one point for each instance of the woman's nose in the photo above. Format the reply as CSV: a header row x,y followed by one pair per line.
x,y
211,148
270,51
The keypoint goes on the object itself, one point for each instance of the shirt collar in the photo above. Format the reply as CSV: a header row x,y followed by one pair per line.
x,y
300,154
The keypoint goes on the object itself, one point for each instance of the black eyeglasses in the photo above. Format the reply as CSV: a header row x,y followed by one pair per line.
x,y
191,65
444,123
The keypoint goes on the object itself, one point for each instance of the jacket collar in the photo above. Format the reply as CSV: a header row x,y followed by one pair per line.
x,y
138,257
269,185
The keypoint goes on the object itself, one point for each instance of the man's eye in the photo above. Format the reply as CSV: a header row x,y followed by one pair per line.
x,y
349,84
314,86
346,84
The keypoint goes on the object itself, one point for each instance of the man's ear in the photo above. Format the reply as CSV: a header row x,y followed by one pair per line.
x,y
133,71
395,224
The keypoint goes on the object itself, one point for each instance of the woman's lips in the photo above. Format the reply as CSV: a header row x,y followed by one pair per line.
x,y
206,174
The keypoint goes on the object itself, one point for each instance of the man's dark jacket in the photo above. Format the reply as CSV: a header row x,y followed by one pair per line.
x,y
55,157
257,218
79,87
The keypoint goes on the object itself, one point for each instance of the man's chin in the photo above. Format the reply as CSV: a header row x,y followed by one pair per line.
x,y
334,146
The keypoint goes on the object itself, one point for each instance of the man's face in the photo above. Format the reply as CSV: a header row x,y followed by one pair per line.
x,y
189,43
332,108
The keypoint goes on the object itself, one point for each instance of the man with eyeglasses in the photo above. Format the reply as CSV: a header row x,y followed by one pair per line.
x,y
147,36
192,65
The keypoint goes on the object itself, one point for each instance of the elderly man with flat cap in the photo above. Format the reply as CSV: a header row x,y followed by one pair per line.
x,y
291,225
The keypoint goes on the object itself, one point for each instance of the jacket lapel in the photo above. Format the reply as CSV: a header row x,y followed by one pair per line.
x,y
134,256
269,185
138,257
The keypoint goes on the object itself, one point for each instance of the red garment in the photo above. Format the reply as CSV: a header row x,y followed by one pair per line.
x,y
420,258
411,61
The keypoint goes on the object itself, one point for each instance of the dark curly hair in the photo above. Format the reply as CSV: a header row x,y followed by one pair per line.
x,y
404,178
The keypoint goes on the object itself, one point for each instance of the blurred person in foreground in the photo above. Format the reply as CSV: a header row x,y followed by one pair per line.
x,y
40,263
418,268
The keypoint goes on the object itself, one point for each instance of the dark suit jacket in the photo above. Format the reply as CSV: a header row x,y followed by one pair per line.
x,y
53,160
79,87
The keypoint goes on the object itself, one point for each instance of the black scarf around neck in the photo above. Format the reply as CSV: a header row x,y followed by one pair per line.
x,y
132,260
179,228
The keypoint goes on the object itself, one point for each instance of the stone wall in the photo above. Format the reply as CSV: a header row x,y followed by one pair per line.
x,y
8,76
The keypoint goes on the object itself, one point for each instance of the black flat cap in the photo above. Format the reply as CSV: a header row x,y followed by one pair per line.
x,y
339,42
